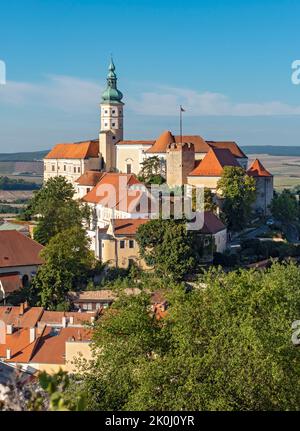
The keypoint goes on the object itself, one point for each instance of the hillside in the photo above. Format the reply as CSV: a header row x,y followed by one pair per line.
x,y
23,157
272,150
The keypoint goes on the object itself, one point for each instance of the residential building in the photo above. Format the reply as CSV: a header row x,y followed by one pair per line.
x,y
19,261
38,340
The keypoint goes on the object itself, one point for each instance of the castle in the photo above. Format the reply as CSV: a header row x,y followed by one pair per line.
x,y
187,159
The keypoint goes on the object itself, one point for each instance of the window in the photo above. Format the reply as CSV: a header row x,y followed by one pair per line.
x,y
113,111
65,168
105,124
85,306
105,111
74,170
78,170
114,137
53,168
122,244
88,189
113,124
128,168
131,243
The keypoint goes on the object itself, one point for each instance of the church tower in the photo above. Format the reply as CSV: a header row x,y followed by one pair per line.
x,y
111,129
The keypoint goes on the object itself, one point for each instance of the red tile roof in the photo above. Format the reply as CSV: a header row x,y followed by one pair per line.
x,y
10,282
258,170
17,249
214,162
12,316
19,344
232,146
78,150
142,142
51,349
115,190
200,144
162,142
128,226
212,224
89,178
55,317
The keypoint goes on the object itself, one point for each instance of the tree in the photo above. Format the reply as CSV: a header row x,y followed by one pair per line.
x,y
151,171
284,207
68,263
56,209
239,191
209,202
223,347
168,246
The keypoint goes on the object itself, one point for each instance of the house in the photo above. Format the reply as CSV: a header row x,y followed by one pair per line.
x,y
91,300
19,261
264,187
117,243
34,339
213,236
118,196
72,160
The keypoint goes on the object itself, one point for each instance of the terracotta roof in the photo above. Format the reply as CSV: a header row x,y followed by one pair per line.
x,y
124,197
135,142
55,317
213,163
162,142
17,249
10,282
11,316
258,170
93,295
232,146
127,226
89,178
77,150
51,348
200,144
19,344
212,224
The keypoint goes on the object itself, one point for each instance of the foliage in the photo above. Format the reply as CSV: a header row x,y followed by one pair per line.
x,y
68,263
168,246
223,347
238,191
209,202
20,184
150,172
56,209
284,207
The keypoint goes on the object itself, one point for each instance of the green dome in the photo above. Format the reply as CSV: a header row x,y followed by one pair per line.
x,y
111,93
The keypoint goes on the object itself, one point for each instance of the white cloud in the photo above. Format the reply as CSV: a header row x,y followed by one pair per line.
x,y
166,100
75,95
60,92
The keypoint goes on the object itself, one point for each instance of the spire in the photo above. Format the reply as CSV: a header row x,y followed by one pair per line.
x,y
111,94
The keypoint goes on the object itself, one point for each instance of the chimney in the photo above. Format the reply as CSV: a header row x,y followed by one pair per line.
x,y
21,309
8,353
64,322
9,329
31,335
71,320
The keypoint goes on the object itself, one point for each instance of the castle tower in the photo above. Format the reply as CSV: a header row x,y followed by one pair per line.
x,y
180,162
264,187
111,129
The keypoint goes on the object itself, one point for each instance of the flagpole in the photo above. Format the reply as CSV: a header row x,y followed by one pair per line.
x,y
180,109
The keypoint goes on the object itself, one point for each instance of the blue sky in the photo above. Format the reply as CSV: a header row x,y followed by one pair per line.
x,y
228,62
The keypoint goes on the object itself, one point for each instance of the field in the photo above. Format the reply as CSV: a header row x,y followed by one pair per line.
x,y
286,169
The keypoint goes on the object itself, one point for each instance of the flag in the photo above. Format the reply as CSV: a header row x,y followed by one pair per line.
x,y
181,109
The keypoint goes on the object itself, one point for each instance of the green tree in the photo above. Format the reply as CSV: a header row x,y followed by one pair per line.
x,y
168,246
284,207
223,347
151,171
238,191
68,264
55,208
209,202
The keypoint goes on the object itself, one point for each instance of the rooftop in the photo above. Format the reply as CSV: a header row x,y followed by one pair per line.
x,y
77,150
214,162
17,249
